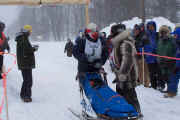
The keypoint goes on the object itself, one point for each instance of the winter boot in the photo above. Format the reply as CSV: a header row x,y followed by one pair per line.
x,y
169,95
26,99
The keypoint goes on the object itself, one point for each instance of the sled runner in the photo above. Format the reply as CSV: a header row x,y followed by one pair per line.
x,y
107,104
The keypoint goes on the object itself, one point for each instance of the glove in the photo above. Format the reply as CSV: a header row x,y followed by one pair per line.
x,y
35,47
115,81
119,84
98,65
122,77
90,59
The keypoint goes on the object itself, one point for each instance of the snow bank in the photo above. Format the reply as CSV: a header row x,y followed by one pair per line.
x,y
130,23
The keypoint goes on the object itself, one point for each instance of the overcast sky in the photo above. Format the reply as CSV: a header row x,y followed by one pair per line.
x,y
8,14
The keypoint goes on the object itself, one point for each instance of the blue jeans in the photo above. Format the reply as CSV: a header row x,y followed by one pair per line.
x,y
173,83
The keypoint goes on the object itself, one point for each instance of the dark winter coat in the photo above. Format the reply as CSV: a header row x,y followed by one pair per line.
x,y
24,51
5,45
178,56
109,44
140,41
166,48
68,48
79,54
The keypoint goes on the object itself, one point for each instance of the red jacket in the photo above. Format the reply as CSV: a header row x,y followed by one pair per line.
x,y
2,39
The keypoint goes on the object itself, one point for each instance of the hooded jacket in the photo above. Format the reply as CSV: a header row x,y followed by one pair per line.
x,y
24,51
152,46
125,57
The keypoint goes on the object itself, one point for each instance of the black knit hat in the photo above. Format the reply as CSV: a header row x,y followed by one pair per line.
x,y
118,28
2,25
137,27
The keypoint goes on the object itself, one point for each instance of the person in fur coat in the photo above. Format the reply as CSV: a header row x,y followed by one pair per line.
x,y
126,70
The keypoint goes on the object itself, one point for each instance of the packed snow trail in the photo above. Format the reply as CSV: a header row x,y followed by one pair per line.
x,y
55,89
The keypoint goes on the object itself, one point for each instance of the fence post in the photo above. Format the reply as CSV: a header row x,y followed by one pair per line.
x,y
87,12
143,65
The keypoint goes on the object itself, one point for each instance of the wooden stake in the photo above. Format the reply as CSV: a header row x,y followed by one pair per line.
x,y
7,110
6,98
87,12
143,65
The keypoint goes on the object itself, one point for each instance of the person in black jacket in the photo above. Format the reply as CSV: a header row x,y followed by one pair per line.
x,y
25,61
3,45
141,40
68,48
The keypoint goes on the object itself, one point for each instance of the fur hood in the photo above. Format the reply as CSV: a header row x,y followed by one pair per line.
x,y
164,28
126,35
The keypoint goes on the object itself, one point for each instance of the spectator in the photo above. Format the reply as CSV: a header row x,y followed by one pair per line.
x,y
68,48
25,61
3,45
174,79
165,47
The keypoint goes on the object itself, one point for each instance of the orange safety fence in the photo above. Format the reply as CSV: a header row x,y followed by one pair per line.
x,y
5,81
155,55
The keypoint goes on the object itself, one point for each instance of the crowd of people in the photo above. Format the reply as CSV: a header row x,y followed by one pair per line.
x,y
160,73
124,48
152,63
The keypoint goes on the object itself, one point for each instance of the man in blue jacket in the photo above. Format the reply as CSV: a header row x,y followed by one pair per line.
x,y
174,79
151,48
90,50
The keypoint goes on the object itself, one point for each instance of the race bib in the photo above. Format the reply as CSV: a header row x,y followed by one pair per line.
x,y
93,49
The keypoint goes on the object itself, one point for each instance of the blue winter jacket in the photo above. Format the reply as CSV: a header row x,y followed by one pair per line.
x,y
178,56
152,46
79,54
174,78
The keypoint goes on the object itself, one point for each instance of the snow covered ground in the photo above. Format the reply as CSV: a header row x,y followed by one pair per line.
x,y
55,89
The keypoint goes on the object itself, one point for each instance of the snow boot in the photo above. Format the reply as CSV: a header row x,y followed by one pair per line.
x,y
169,95
26,99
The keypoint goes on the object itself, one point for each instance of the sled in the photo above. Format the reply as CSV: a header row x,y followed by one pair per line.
x,y
106,103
